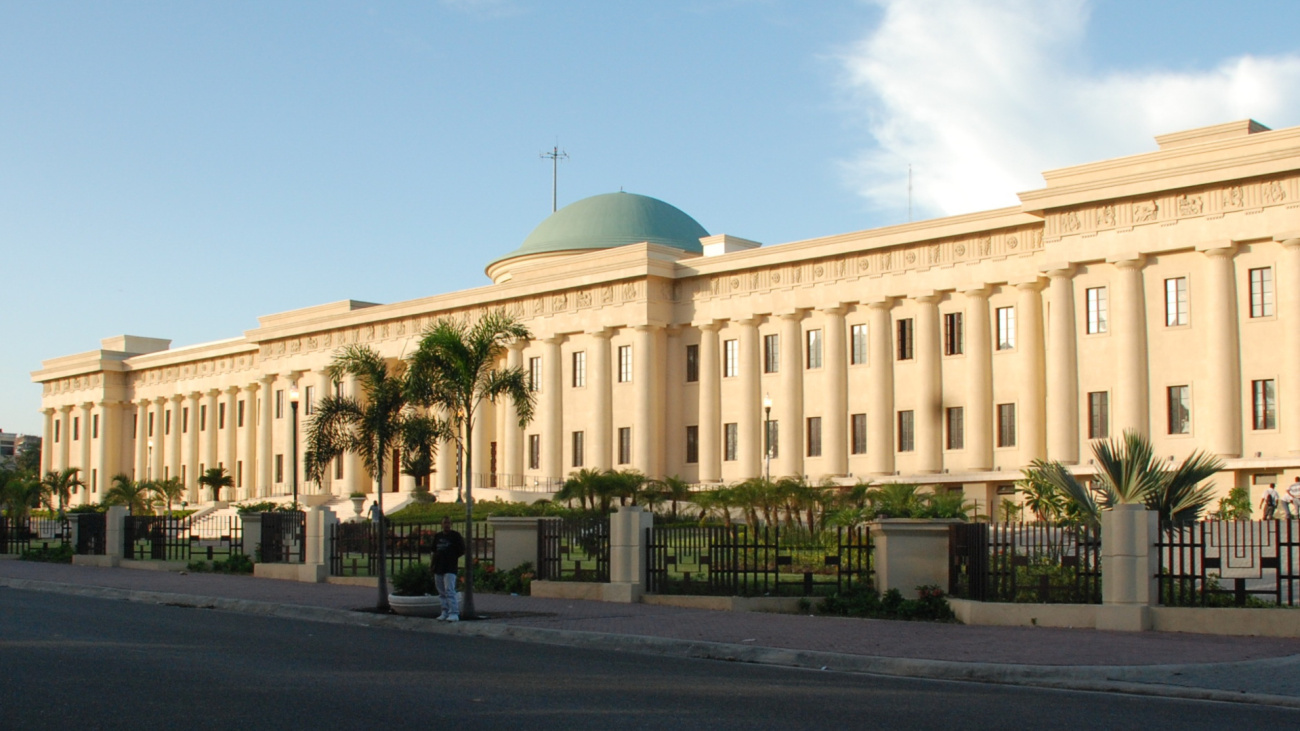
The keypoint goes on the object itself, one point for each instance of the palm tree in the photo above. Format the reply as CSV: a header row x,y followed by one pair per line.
x,y
125,491
216,478
20,492
673,489
454,369
370,427
580,486
60,484
168,491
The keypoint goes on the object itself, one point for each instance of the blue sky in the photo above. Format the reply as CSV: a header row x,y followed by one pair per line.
x,y
177,169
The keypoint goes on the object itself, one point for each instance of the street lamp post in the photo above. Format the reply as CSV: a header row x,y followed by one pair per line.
x,y
293,406
148,468
767,435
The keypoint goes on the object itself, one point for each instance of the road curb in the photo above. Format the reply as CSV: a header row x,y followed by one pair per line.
x,y
1102,679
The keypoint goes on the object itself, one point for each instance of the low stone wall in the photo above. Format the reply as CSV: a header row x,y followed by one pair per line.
x,y
1005,614
773,604
1198,620
619,592
311,573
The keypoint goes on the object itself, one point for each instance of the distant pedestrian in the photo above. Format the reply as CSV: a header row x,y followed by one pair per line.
x,y
448,547
1293,499
1269,502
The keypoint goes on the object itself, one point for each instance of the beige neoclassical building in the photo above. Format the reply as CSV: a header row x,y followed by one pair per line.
x,y
1158,292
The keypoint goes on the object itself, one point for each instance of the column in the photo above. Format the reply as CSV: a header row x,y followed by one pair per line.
x,y
929,402
444,477
191,427
1220,405
710,404
880,392
835,412
142,440
158,442
670,437
84,458
324,389
65,438
750,449
553,410
1062,369
248,451
354,471
601,375
1287,287
210,454
788,404
47,442
229,448
484,429
1132,403
514,436
174,438
110,442
264,435
644,424
979,381
1032,413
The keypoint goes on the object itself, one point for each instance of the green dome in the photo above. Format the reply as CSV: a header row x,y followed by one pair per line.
x,y
610,220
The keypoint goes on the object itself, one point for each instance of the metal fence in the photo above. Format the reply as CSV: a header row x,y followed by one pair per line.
x,y
164,538
17,536
1024,562
92,533
284,537
1230,563
573,549
743,561
355,552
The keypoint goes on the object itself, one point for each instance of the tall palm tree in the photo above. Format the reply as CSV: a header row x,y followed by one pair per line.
x,y
370,427
167,491
59,484
125,491
216,478
454,369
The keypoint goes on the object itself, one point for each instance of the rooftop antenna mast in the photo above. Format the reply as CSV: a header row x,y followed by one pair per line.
x,y
555,154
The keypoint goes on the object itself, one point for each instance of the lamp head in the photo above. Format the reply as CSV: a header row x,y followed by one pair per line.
x,y
293,394
767,401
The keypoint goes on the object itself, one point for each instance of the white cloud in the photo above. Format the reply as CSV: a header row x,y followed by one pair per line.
x,y
981,96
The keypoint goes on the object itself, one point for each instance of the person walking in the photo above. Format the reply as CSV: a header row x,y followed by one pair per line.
x,y
448,547
1293,499
1269,501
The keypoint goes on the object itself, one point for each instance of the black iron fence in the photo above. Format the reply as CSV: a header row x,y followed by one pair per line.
x,y
20,535
354,550
742,561
573,549
92,533
284,537
1230,563
165,538
1024,562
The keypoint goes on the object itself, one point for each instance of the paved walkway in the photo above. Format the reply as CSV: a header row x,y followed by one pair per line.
x,y
1252,669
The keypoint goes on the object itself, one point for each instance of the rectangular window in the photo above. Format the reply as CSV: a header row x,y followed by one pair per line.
x,y
953,334
1180,409
579,448
955,417
1095,300
814,359
58,423
624,364
770,439
76,428
1006,328
692,444
857,344
624,444
534,451
221,415
1261,292
239,409
731,439
906,339
203,417
338,469
94,426
239,473
858,424
1175,301
279,468
730,358
308,404
580,369
814,436
692,363
185,420
1006,425
534,374
167,422
1265,399
906,431
135,427
771,353
94,479
1098,415
151,424
279,408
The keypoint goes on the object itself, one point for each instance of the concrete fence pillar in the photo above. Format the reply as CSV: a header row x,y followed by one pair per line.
x,y
908,553
114,533
316,568
252,530
1129,561
627,553
515,542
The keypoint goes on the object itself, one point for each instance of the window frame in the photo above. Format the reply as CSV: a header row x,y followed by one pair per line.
x,y
813,436
1263,404
859,346
1099,415
1180,299
905,341
1184,394
954,425
1005,332
954,333
692,444
730,358
1097,310
1005,428
692,363
906,423
857,433
625,364
772,353
1263,298
578,448
730,441
578,369
814,350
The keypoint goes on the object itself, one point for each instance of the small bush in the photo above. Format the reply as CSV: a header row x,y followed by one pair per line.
x,y
62,553
414,579
236,564
515,581
864,601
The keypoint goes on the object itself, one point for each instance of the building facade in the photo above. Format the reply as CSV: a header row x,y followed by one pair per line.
x,y
1158,292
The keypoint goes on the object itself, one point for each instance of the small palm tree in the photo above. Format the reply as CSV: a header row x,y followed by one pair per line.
x,y
125,491
370,427
454,369
167,491
20,492
216,478
580,486
673,490
59,484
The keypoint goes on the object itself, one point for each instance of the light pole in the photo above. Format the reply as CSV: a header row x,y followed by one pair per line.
x,y
293,406
767,435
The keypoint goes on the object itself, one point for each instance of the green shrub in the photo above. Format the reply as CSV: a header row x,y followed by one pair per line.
x,y
264,507
87,508
414,579
515,581
236,564
434,512
864,601
61,553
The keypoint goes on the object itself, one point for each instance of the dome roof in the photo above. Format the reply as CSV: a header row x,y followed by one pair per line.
x,y
611,220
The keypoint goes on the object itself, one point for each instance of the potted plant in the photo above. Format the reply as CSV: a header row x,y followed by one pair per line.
x,y
414,593
358,500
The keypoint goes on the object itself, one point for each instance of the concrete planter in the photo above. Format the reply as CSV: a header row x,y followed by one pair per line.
x,y
416,606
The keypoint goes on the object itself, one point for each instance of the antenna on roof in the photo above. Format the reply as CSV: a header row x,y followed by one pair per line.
x,y
555,155
909,192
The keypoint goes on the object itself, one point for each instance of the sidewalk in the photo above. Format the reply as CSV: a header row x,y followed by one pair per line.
x,y
1243,669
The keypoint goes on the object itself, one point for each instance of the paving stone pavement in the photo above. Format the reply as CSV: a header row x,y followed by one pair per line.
x,y
1253,669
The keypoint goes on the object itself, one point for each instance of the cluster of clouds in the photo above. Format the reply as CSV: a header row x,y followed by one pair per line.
x,y
981,96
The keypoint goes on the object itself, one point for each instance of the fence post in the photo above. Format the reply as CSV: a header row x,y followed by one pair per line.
x,y
315,568
1128,568
909,553
627,554
252,527
515,542
114,534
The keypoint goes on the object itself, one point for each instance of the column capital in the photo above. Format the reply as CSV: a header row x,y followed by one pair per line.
x,y
252,387
557,339
797,315
1033,286
754,321
176,398
1062,272
108,404
980,292
1221,250
160,400
213,392
601,333
884,304
87,405
143,403
1130,264
647,327
48,411
711,325
267,378
65,408
1290,239
836,309
194,395
517,345
929,298
231,390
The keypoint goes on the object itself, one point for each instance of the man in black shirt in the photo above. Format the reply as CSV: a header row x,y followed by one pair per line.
x,y
448,547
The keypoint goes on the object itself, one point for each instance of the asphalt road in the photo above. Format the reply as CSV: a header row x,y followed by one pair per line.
x,y
71,662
